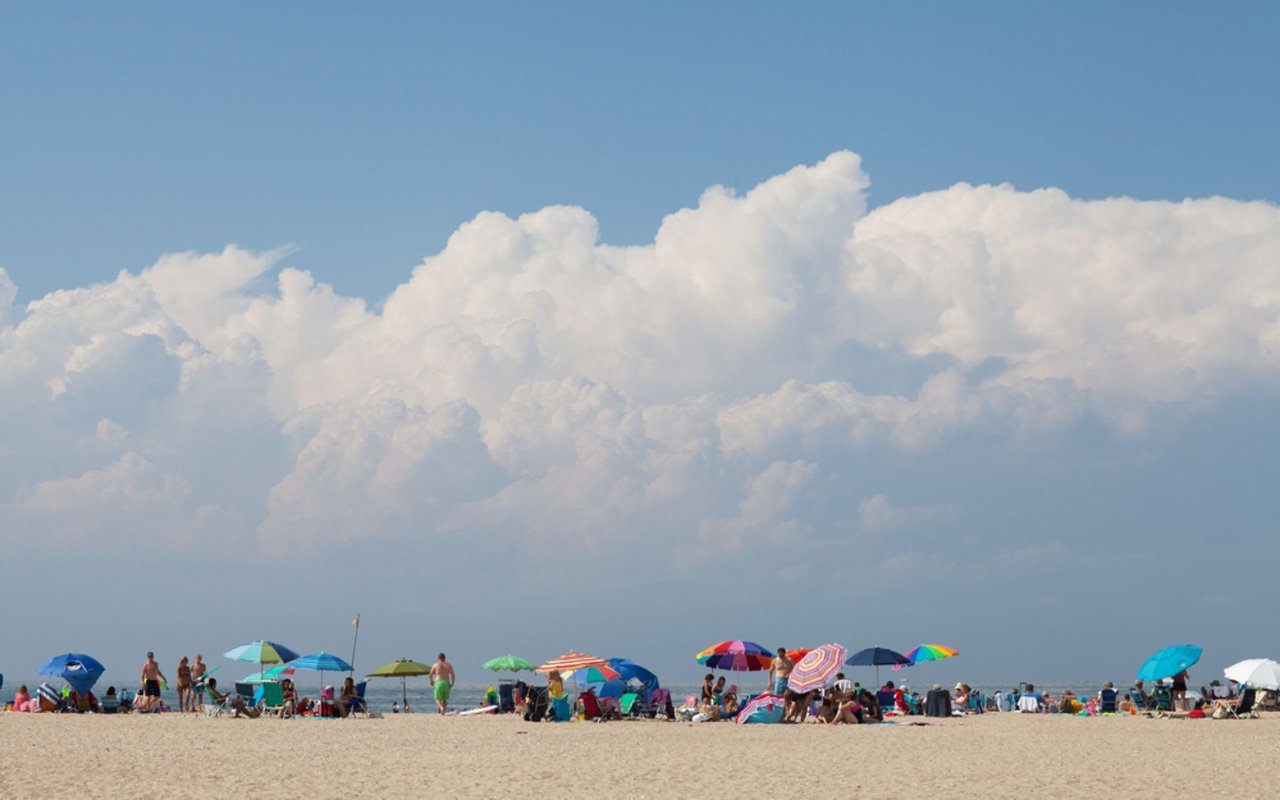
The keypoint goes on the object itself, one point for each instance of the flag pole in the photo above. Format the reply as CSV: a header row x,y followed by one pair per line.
x,y
354,639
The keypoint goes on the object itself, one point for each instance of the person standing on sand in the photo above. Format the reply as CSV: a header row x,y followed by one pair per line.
x,y
151,677
442,679
1178,692
185,693
198,669
779,671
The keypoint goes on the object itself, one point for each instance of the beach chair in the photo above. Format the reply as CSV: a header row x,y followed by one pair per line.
x,y
536,705
247,694
1246,708
1028,704
629,704
506,700
272,698
1107,701
48,698
590,706
560,709
1162,700
358,705
214,708
1140,701
109,704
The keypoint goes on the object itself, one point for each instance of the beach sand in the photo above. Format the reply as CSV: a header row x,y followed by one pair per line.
x,y
994,755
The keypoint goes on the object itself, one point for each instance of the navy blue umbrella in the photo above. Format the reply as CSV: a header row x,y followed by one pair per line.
x,y
876,657
77,669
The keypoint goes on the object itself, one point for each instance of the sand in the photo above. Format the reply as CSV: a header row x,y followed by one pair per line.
x,y
994,755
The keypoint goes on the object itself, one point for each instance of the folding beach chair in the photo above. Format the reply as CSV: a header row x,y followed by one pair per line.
x,y
214,708
1246,707
506,701
272,697
590,706
1162,700
1028,704
357,704
1107,701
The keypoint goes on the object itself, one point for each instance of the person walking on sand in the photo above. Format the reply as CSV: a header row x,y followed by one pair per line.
x,y
442,679
151,677
779,671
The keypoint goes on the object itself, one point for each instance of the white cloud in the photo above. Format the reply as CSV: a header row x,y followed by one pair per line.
x,y
709,389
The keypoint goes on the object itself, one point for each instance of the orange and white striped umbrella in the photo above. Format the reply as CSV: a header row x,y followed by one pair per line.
x,y
571,661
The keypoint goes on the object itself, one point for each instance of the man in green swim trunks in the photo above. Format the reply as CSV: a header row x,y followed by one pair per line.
x,y
442,679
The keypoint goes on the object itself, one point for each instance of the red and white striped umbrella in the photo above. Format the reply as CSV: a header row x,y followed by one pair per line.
x,y
817,668
571,661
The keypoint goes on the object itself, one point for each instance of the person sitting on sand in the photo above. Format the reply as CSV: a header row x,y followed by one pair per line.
x,y
82,703
1069,704
555,685
849,711
22,699
219,697
870,706
729,701
825,713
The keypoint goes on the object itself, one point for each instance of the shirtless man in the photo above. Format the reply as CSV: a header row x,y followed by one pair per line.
x,y
779,671
151,677
198,669
442,679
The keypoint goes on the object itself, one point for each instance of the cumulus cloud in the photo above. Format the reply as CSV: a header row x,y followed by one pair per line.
x,y
713,390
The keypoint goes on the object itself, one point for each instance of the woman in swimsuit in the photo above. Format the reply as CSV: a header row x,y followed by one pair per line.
x,y
185,695
1178,692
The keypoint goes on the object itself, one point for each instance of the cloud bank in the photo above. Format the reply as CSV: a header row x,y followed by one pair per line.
x,y
709,391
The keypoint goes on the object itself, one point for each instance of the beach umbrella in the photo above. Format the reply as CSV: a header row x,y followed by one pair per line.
x,y
507,664
270,675
876,657
767,708
321,662
736,655
80,671
630,671
1169,662
926,652
798,653
571,661
261,652
817,668
594,674
1260,673
403,669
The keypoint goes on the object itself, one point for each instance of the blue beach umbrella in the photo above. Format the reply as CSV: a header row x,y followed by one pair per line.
x,y
1169,662
876,657
322,662
261,652
77,669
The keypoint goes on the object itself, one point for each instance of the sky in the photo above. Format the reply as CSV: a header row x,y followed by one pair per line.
x,y
527,328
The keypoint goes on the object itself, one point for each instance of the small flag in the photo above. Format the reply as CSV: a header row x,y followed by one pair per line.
x,y
356,621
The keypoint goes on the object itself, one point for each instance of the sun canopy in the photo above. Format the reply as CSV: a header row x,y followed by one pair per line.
x,y
80,671
1169,662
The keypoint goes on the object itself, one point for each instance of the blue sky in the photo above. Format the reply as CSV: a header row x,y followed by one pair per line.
x,y
366,135
309,309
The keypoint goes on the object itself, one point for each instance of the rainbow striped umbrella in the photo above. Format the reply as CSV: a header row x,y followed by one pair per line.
x,y
736,655
819,666
929,652
596,674
572,661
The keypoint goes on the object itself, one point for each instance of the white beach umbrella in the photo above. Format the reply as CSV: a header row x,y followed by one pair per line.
x,y
1260,673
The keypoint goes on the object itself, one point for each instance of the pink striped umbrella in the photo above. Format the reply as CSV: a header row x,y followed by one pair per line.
x,y
769,702
818,667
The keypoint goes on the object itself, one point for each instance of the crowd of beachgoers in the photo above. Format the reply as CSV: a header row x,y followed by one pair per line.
x,y
618,689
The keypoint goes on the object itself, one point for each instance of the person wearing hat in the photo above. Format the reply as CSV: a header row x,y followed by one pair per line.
x,y
151,678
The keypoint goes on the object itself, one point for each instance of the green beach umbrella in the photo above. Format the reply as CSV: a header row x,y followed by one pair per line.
x,y
508,664
403,668
261,652
269,676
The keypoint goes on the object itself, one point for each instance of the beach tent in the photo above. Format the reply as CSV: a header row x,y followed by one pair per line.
x,y
765,709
